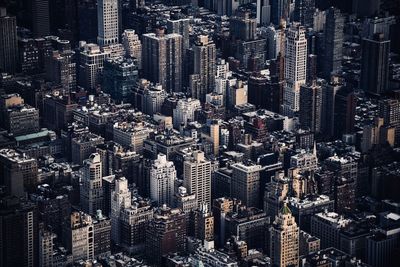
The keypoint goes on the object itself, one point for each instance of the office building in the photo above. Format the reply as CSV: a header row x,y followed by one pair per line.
x,y
107,22
17,117
310,109
344,112
121,198
162,180
91,190
84,145
375,65
41,17
131,134
185,111
8,42
197,177
101,234
304,12
201,224
333,54
134,221
263,12
204,65
329,91
162,59
165,234
91,62
245,184
19,233
284,239
61,69
46,251
295,67
119,78
275,193
180,26
279,11
389,110
78,236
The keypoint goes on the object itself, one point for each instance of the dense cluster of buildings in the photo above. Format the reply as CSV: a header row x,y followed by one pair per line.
x,y
200,133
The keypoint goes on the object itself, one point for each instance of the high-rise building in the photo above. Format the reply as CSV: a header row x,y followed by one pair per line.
x,y
201,224
148,97
295,67
8,42
344,112
263,12
19,233
121,198
197,177
304,12
78,236
87,15
204,65
284,240
279,11
329,91
61,69
333,52
131,135
46,243
162,59
41,17
162,180
132,45
91,190
119,78
310,113
91,62
166,233
389,110
375,65
245,184
185,111
180,26
275,193
242,27
101,234
107,22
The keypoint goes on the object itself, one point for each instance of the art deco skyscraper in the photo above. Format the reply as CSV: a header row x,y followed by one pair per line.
x,y
162,178
8,42
284,242
295,67
107,18
121,198
197,177
132,45
204,65
91,189
162,59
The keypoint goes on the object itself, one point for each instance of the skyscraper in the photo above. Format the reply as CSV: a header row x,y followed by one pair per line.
x,y
304,12
91,190
310,113
333,54
162,59
284,242
8,42
197,177
375,65
120,198
263,12
162,179
61,69
41,17
295,67
108,25
204,65
279,10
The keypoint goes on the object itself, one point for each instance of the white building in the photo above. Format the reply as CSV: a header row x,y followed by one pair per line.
x,y
162,178
107,21
295,67
185,111
120,199
91,190
132,45
131,134
197,177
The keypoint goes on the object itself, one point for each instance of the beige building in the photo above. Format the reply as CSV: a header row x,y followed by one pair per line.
x,y
131,135
284,242
197,177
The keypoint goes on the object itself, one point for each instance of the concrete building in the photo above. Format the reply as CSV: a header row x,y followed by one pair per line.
x,y
197,177
107,22
162,180
162,59
101,234
46,243
310,109
91,189
246,184
78,236
8,42
185,111
120,199
132,45
131,134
